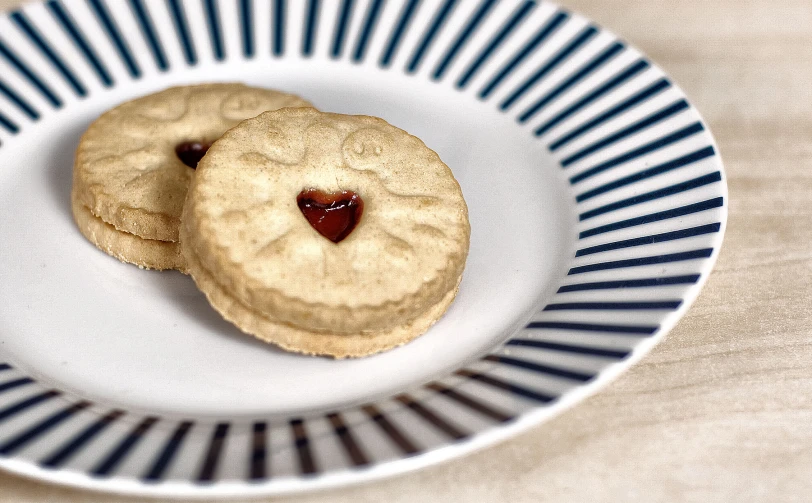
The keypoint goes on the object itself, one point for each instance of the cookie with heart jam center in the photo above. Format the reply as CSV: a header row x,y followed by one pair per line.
x,y
325,233
134,163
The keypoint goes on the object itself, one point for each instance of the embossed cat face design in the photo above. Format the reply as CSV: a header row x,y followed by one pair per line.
x,y
333,215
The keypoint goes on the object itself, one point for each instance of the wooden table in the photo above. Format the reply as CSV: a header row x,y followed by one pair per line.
x,y
722,410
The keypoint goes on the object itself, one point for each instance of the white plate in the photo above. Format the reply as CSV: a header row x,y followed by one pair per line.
x,y
597,204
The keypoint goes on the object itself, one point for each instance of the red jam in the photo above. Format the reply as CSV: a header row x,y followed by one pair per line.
x,y
191,152
334,215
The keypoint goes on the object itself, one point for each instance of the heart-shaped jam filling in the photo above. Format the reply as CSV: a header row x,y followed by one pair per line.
x,y
334,215
190,152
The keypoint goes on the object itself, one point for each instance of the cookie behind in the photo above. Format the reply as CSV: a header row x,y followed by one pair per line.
x,y
128,174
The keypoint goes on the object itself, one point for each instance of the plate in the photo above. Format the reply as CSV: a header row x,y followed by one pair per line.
x,y
597,204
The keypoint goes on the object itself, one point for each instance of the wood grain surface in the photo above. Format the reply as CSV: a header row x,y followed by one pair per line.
x,y
722,410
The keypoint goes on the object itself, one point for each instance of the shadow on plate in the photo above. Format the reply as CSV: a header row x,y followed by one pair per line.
x,y
60,168
196,307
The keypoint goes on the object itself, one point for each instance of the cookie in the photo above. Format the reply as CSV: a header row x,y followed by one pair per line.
x,y
145,253
325,233
295,339
134,163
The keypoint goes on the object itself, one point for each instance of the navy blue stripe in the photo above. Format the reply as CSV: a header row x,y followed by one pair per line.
x,y
15,383
67,451
647,240
403,442
471,403
114,35
247,25
352,449
209,468
432,417
373,13
466,33
627,131
592,327
34,36
614,82
636,262
540,368
654,217
27,403
148,31
63,18
342,23
397,35
567,348
653,146
656,194
7,124
307,463
665,167
279,27
428,38
182,29
612,112
259,452
312,20
543,34
579,40
613,306
109,464
631,283
213,22
584,72
510,387
22,439
170,449
518,16
5,366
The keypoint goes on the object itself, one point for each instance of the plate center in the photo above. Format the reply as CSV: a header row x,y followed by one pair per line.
x,y
149,340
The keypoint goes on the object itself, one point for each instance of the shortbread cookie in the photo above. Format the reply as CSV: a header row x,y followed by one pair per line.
x,y
128,169
145,253
292,338
251,248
